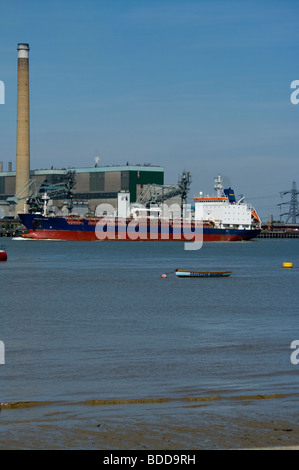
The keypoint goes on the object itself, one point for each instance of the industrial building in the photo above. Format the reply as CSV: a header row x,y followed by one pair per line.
x,y
94,185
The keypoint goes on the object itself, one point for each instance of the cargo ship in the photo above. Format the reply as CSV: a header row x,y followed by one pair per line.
x,y
218,218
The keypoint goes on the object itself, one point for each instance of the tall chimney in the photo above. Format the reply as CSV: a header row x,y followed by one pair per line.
x,y
23,136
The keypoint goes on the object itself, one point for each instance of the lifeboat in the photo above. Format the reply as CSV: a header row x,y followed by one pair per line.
x,y
255,217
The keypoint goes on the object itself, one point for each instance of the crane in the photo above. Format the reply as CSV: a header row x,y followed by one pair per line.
x,y
39,194
157,193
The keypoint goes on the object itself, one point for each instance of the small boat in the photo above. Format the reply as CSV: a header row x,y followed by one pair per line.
x,y
3,254
184,273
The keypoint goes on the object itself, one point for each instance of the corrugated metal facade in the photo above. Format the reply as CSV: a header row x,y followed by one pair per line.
x,y
93,184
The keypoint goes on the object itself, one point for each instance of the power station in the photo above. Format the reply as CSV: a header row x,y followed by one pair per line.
x,y
94,185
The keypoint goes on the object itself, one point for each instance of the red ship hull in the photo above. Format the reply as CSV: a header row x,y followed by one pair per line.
x,y
66,235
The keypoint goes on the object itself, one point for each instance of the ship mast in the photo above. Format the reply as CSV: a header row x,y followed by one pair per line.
x,y
218,186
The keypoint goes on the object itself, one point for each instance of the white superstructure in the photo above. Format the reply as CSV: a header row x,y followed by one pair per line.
x,y
223,211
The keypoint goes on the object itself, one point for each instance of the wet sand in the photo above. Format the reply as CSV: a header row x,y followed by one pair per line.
x,y
43,426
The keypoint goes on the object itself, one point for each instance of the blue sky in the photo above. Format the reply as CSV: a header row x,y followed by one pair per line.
x,y
197,85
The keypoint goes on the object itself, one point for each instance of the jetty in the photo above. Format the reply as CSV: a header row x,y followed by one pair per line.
x,y
9,227
279,230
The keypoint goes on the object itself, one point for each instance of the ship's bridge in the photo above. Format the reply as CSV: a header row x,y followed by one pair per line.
x,y
208,199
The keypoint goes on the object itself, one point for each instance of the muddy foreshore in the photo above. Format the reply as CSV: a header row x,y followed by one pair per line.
x,y
46,426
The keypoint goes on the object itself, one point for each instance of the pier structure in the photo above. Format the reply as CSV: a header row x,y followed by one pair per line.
x,y
279,230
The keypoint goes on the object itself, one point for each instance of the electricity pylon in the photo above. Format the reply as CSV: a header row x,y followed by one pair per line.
x,y
293,213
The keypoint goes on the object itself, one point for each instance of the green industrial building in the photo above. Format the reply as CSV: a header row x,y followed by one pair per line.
x,y
95,185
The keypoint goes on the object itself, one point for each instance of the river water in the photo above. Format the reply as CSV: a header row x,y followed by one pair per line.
x,y
91,331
